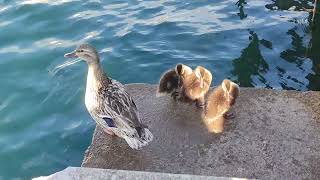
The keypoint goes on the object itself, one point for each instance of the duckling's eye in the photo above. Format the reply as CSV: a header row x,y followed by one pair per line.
x,y
81,50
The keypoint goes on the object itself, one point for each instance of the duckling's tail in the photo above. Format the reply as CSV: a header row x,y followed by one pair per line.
x,y
169,81
138,141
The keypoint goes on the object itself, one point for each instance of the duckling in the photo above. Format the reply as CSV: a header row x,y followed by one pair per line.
x,y
195,84
218,106
170,82
109,104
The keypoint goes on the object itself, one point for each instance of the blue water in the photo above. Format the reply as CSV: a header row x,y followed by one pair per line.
x,y
44,126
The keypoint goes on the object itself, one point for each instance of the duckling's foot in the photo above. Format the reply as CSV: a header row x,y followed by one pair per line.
x,y
229,115
200,106
200,103
175,95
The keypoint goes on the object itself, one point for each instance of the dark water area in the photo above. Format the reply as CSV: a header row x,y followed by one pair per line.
x,y
44,126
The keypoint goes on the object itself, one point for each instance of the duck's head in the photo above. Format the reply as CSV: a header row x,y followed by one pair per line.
x,y
85,52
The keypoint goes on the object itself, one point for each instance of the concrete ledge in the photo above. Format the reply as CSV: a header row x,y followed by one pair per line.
x,y
275,135
97,174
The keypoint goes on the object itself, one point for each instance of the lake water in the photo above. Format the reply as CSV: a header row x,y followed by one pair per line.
x,y
44,126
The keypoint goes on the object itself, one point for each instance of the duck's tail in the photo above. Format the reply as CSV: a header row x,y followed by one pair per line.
x,y
139,140
169,81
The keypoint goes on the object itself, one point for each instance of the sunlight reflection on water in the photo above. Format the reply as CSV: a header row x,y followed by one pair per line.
x,y
255,43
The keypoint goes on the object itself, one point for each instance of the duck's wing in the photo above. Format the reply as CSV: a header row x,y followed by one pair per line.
x,y
119,112
116,104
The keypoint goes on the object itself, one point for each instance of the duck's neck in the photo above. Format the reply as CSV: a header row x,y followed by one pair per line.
x,y
96,77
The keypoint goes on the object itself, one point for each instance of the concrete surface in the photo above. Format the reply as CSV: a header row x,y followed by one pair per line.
x,y
275,135
75,173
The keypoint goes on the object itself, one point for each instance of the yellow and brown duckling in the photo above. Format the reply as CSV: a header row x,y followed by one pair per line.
x,y
195,85
109,104
185,84
218,106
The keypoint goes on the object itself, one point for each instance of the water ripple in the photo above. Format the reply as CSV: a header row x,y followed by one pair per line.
x,y
56,2
45,125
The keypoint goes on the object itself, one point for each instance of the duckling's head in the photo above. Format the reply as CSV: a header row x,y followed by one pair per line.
x,y
86,52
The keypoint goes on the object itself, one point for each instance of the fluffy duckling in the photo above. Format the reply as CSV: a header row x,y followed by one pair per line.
x,y
195,84
109,104
218,105
170,81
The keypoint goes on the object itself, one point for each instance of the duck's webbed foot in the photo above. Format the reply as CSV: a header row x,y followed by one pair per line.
x,y
110,132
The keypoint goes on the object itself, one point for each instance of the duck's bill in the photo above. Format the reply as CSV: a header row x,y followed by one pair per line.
x,y
71,55
61,66
68,63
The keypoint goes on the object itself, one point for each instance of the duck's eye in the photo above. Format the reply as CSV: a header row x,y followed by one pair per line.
x,y
80,50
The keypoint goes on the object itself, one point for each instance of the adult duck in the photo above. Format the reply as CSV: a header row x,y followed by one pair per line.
x,y
109,104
